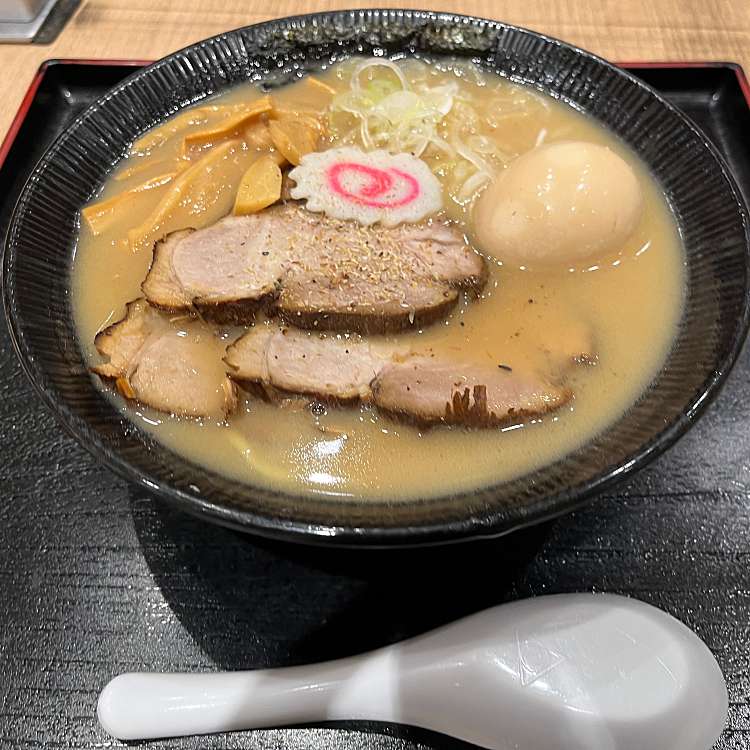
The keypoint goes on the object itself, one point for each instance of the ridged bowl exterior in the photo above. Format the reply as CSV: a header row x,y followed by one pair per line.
x,y
710,213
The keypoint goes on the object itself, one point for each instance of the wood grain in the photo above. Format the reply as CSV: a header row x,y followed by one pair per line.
x,y
623,30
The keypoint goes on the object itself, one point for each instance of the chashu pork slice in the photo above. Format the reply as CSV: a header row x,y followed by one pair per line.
x,y
175,369
225,271
428,390
330,367
419,388
316,272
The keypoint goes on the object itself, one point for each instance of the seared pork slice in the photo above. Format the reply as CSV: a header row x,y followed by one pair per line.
x,y
319,272
330,367
225,271
172,369
336,303
377,280
428,391
419,388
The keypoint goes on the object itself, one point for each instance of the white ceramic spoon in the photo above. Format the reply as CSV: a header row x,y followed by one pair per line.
x,y
564,672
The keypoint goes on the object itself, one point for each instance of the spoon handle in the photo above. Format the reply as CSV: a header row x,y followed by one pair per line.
x,y
140,705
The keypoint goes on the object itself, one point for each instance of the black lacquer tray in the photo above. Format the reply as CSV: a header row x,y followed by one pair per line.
x,y
97,578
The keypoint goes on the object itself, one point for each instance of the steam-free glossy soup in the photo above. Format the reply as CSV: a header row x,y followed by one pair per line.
x,y
631,301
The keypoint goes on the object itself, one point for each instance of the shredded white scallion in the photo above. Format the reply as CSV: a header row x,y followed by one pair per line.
x,y
392,105
377,62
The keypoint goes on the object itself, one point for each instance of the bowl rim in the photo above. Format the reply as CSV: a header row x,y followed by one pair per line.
x,y
493,523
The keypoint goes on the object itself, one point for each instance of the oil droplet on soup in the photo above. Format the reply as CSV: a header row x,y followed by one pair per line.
x,y
629,301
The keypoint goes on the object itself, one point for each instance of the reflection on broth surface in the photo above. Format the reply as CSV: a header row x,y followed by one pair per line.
x,y
617,311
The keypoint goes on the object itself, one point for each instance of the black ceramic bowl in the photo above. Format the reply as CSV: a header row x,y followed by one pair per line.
x,y
705,200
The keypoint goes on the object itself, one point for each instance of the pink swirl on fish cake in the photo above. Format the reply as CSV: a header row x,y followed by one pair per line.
x,y
380,183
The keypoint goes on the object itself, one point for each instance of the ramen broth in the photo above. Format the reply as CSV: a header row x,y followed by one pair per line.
x,y
631,302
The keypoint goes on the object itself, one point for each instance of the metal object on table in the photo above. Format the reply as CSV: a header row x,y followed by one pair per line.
x,y
21,20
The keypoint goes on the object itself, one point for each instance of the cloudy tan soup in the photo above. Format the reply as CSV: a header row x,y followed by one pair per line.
x,y
430,280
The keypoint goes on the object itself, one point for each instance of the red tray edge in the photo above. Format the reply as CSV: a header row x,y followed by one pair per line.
x,y
28,98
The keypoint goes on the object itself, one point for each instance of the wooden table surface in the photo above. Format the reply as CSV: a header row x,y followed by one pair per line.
x,y
621,30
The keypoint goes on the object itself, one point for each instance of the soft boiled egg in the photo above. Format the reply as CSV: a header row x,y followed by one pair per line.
x,y
559,204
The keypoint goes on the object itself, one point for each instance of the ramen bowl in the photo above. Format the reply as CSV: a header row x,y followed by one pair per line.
x,y
705,201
